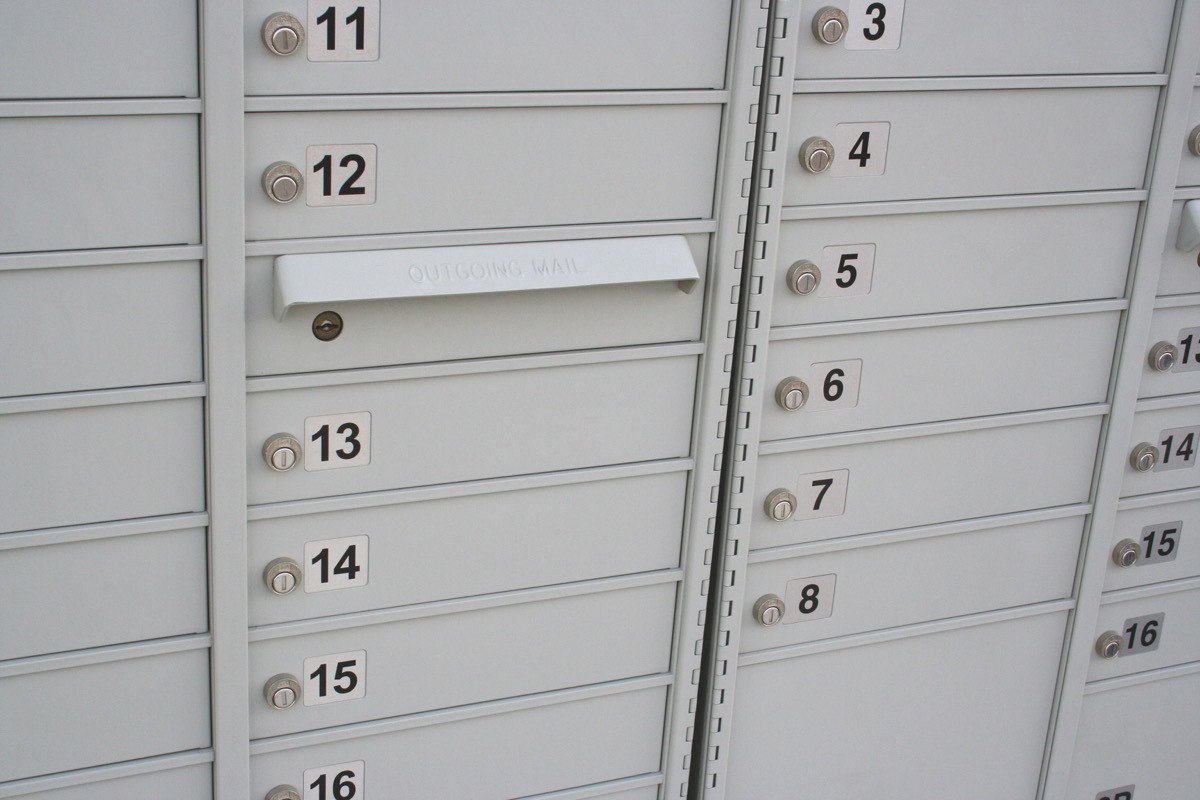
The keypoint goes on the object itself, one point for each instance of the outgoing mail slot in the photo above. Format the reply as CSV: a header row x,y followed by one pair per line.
x,y
876,587
947,143
181,783
72,328
901,264
892,39
513,754
1165,539
1157,628
468,422
894,377
1180,268
526,46
82,182
62,719
70,50
451,169
1141,736
445,660
403,306
441,549
104,462
914,717
1175,327
100,590
1169,428
847,489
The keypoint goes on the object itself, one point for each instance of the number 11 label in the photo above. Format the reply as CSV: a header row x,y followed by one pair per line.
x,y
860,149
343,31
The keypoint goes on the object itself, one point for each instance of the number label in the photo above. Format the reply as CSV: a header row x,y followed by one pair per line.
x,y
1179,447
1189,350
343,31
822,494
848,269
835,385
1160,542
860,149
334,678
1120,793
335,564
340,175
1142,634
336,441
335,782
809,598
874,24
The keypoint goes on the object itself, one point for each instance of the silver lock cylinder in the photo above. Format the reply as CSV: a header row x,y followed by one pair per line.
x,y
1144,457
282,691
780,505
283,34
791,394
816,154
284,792
1163,356
282,576
282,182
1126,553
1193,141
829,25
282,451
803,277
769,609
1108,645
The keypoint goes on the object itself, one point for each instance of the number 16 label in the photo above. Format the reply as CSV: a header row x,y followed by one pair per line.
x,y
859,149
336,441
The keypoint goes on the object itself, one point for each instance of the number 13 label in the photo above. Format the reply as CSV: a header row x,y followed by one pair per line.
x,y
859,149
336,441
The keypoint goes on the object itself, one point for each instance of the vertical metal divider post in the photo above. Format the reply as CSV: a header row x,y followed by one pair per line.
x,y
769,49
1145,266
224,288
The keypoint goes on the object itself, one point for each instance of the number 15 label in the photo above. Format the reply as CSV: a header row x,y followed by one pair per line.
x,y
859,149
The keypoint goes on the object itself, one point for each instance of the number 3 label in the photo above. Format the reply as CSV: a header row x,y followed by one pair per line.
x,y
860,149
340,440
340,175
874,24
335,782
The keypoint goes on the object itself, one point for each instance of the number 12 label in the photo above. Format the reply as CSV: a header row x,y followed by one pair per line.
x,y
337,441
860,149
340,175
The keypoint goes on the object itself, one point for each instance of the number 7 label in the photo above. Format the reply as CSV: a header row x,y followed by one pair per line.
x,y
822,494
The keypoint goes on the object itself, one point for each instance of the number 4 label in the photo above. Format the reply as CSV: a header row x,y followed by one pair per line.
x,y
336,441
860,149
336,781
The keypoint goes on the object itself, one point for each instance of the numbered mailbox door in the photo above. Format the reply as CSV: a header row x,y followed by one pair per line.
x,y
520,753
374,47
888,585
374,172
940,372
426,430
904,264
315,565
408,306
903,718
1154,544
1172,363
919,38
910,145
132,164
1164,446
842,490
343,675
1152,629
1138,741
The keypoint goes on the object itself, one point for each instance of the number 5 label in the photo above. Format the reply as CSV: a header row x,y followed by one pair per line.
x,y
848,269
336,441
859,149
